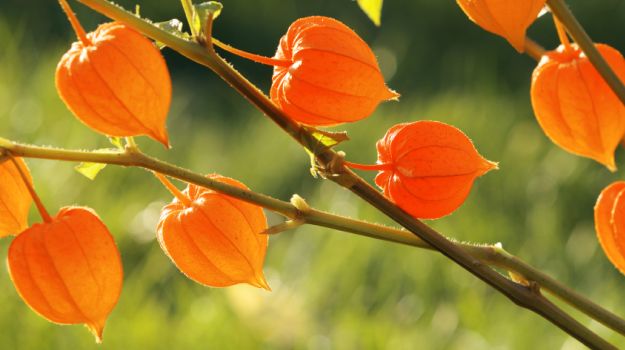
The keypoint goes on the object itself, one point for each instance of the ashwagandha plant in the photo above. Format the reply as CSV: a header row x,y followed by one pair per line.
x,y
116,82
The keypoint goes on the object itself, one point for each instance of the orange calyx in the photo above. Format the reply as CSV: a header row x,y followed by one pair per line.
x,y
118,84
15,197
575,107
506,18
609,223
334,78
68,270
217,241
433,167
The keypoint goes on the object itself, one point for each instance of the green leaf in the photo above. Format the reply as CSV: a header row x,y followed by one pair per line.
x,y
117,142
373,9
326,139
174,27
90,170
201,13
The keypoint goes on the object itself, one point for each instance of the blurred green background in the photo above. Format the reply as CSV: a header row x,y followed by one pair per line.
x,y
330,290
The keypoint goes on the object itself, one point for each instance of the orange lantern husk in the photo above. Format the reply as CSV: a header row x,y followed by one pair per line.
x,y
214,239
68,270
15,199
428,168
575,107
116,82
618,221
609,215
331,76
507,18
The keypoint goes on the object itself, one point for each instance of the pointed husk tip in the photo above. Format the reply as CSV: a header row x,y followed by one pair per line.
x,y
487,166
608,161
490,165
96,328
162,137
517,42
260,282
391,95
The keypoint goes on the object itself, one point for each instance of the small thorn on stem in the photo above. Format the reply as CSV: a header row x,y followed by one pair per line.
x,y
285,226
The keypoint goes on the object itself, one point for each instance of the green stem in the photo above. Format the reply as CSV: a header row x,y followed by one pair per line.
x,y
131,145
187,6
577,32
492,255
510,262
522,296
140,159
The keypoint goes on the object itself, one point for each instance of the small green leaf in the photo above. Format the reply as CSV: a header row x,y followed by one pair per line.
x,y
201,13
373,9
329,138
326,139
90,170
174,27
117,142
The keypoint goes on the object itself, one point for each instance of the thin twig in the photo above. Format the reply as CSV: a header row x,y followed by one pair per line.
x,y
493,255
533,49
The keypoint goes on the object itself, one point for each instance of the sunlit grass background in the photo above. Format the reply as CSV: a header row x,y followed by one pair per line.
x,y
331,290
